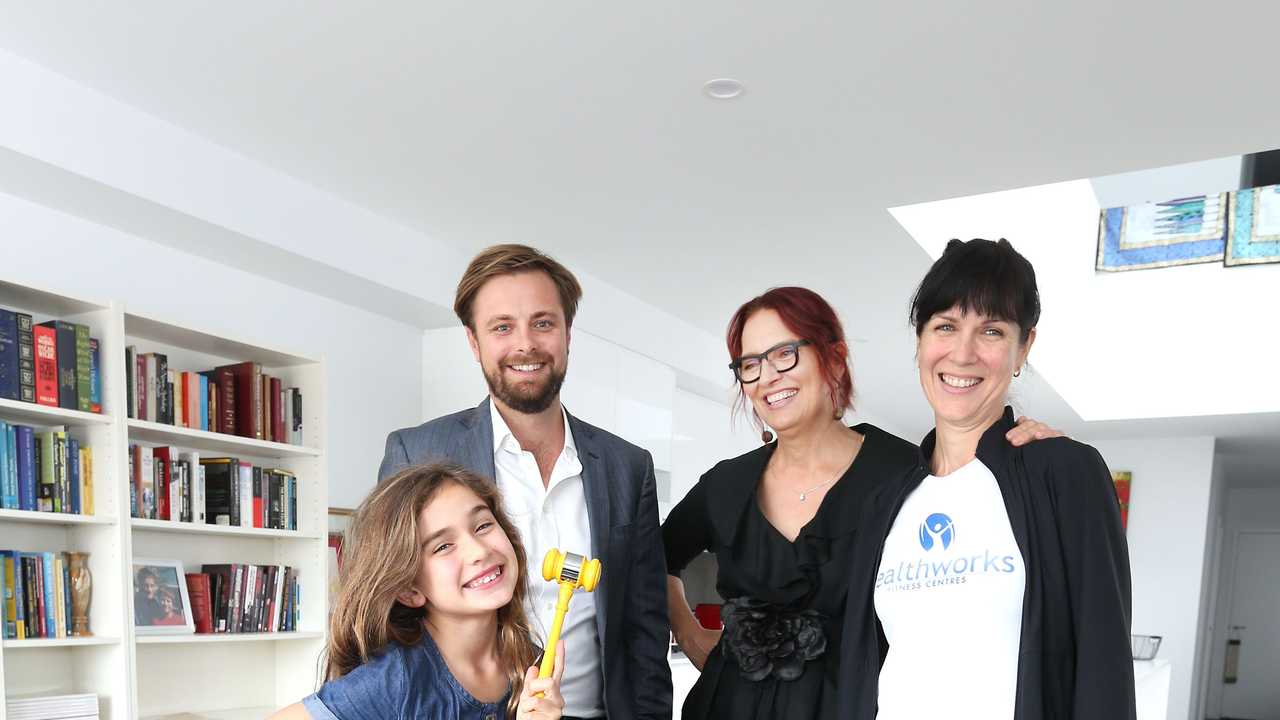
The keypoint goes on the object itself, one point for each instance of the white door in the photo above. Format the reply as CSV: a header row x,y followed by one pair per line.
x,y
1255,604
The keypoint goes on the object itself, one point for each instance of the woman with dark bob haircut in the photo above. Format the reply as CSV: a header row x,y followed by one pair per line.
x,y
783,519
993,581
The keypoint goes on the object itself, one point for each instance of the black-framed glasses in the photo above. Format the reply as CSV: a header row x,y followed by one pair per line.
x,y
782,357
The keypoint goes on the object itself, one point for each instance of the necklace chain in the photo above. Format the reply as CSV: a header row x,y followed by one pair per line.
x,y
803,493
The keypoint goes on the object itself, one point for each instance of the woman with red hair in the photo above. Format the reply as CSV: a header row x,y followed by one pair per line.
x,y
781,519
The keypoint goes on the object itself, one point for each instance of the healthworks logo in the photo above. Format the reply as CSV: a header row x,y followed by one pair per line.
x,y
937,529
936,567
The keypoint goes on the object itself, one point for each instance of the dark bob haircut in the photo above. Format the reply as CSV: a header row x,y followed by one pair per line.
x,y
989,278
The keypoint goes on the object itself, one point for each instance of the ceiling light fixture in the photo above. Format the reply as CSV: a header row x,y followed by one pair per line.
x,y
723,89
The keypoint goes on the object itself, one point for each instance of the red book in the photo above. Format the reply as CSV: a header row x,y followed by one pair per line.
x,y
184,415
38,565
164,475
268,427
46,342
258,496
226,404
277,411
201,608
248,400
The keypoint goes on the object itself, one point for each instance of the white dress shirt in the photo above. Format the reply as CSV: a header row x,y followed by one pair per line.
x,y
547,518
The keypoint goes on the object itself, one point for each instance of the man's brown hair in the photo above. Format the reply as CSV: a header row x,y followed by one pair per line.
x,y
509,260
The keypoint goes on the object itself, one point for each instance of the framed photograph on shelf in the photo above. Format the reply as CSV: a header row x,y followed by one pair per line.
x,y
160,602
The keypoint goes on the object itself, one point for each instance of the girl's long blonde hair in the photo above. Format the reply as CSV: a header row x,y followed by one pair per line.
x,y
380,559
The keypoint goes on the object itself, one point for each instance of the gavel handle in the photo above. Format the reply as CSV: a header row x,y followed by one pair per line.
x,y
553,637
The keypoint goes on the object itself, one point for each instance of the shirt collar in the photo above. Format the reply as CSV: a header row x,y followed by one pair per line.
x,y
502,435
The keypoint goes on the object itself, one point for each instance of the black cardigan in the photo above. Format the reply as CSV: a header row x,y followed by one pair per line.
x,y
1074,659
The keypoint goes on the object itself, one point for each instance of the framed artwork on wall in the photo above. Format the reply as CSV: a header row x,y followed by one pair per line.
x,y
1184,231
1255,227
1123,479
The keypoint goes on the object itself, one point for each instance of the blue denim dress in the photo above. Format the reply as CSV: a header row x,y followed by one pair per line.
x,y
404,682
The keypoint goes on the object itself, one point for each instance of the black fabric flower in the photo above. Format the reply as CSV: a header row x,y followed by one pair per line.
x,y
765,640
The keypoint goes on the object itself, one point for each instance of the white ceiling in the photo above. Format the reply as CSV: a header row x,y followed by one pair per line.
x,y
579,127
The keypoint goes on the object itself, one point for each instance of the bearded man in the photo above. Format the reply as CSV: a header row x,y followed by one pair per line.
x,y
565,483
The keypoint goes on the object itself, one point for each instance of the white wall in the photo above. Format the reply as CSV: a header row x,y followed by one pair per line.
x,y
1246,509
373,363
704,434
1168,534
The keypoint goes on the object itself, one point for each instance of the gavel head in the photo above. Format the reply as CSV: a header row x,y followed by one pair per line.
x,y
572,569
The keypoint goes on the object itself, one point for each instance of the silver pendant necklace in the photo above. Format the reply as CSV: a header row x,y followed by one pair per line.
x,y
804,493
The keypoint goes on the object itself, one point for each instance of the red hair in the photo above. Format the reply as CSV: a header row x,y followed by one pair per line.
x,y
811,318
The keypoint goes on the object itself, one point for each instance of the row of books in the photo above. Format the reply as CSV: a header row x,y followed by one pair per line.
x,y
239,598
232,399
44,469
166,484
37,594
53,363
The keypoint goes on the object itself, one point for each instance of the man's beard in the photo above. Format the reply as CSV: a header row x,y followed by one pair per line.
x,y
526,396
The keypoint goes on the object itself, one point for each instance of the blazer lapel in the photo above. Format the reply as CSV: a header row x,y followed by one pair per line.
x,y
595,486
473,445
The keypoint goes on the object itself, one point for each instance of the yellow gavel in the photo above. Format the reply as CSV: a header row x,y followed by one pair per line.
x,y
571,571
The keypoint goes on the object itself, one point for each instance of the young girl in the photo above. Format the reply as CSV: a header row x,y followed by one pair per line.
x,y
429,621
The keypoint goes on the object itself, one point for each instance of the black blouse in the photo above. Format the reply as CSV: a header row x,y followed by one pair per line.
x,y
784,601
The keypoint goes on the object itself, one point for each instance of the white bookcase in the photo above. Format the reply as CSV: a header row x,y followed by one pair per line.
x,y
216,676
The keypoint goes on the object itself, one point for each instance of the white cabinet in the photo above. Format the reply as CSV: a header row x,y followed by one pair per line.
x,y
646,404
704,433
590,389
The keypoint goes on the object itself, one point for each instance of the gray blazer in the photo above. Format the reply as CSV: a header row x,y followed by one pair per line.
x,y
622,510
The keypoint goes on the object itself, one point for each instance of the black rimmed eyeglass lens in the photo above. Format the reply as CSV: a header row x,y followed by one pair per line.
x,y
782,357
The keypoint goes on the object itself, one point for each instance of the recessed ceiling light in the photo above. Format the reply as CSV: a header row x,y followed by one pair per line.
x,y
723,89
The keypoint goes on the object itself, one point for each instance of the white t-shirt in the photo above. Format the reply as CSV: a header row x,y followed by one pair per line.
x,y
949,596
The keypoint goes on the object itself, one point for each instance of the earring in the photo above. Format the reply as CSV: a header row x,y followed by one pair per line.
x,y
1018,372
766,437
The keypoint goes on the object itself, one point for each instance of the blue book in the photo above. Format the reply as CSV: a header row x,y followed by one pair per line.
x,y
5,492
50,595
26,468
8,355
95,376
66,593
73,473
12,448
204,402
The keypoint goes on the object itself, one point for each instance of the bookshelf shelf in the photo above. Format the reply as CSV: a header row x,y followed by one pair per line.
x,y
51,518
141,676
170,526
218,638
244,713
59,642
32,414
203,440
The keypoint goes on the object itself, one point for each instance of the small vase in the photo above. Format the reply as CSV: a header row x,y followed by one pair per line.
x,y
81,594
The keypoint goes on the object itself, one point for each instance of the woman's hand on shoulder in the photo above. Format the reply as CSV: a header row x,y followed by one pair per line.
x,y
295,711
1028,431
551,705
